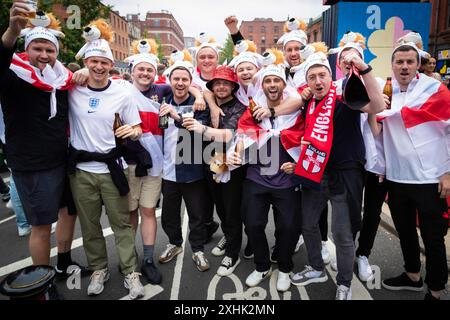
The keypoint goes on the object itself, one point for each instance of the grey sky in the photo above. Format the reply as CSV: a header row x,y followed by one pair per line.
x,y
195,16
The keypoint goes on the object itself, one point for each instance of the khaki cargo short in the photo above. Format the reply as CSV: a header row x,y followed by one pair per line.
x,y
144,191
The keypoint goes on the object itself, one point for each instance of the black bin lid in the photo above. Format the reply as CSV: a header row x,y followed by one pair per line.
x,y
27,282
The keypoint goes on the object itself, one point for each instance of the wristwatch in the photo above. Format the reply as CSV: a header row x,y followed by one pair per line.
x,y
363,72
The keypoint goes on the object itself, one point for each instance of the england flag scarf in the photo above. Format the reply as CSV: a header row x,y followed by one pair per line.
x,y
319,133
151,138
49,80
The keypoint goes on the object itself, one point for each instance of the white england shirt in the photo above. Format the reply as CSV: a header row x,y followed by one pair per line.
x,y
91,118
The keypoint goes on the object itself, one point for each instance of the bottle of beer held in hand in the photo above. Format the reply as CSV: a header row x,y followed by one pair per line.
x,y
387,90
163,121
117,124
252,106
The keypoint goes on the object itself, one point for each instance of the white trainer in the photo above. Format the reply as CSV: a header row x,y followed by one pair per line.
x,y
227,267
219,249
283,281
97,283
343,293
133,284
365,272
256,277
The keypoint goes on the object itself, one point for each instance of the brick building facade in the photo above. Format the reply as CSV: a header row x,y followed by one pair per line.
x,y
265,32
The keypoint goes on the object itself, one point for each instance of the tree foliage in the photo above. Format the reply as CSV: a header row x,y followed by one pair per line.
x,y
227,52
89,10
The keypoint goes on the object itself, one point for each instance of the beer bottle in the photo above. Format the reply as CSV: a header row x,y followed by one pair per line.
x,y
252,106
117,124
387,90
163,121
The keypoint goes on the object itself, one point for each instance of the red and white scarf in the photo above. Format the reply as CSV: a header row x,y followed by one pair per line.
x,y
319,132
49,80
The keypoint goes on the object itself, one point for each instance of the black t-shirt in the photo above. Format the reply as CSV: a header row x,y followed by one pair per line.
x,y
348,149
33,142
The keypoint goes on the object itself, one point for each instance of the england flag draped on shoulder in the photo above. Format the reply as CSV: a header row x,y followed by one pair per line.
x,y
151,138
425,114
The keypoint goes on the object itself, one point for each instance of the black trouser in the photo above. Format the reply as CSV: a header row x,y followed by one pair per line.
x,y
374,196
209,203
433,223
255,209
194,197
227,197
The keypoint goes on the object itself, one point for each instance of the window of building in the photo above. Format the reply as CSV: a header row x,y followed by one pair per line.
x,y
156,23
315,35
275,40
250,28
275,29
263,29
250,38
263,40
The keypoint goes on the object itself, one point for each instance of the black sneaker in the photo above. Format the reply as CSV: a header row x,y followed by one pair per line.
x,y
429,296
74,267
151,272
248,251
211,228
403,282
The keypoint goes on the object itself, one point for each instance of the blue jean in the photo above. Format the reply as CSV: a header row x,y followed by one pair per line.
x,y
21,220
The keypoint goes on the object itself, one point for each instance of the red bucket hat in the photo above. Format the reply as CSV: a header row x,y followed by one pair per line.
x,y
224,73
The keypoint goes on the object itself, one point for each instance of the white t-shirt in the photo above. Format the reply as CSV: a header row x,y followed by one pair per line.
x,y
91,118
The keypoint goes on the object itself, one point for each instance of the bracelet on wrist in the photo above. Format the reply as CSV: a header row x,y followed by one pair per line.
x,y
363,72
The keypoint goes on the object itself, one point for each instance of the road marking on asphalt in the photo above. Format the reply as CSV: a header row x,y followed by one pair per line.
x,y
179,263
212,288
150,292
359,292
53,253
7,219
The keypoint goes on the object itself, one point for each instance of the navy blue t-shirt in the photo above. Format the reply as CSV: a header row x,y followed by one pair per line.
x,y
156,92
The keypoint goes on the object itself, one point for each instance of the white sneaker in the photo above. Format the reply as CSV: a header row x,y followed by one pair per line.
x,y
343,293
23,232
227,267
9,205
219,249
365,272
132,283
307,276
256,277
283,281
299,243
53,228
97,283
325,253
200,261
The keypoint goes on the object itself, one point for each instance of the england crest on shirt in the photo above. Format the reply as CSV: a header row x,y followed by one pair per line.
x,y
93,103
